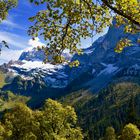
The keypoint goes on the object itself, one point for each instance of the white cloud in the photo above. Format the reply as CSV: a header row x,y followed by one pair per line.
x,y
14,41
7,55
34,44
11,24
17,45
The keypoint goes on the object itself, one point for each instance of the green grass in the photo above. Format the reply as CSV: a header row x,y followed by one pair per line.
x,y
9,100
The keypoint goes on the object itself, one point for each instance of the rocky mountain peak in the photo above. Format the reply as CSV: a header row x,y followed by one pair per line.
x,y
99,64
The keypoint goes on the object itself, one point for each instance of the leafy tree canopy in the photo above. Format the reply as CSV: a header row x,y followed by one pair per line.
x,y
53,122
130,132
64,22
5,6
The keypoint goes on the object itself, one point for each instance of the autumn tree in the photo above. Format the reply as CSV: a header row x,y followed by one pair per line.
x,y
53,122
64,22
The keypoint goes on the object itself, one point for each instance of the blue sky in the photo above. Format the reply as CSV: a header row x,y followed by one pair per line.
x,y
14,31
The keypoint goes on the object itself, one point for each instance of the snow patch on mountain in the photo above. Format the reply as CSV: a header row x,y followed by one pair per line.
x,y
89,51
28,65
53,75
110,68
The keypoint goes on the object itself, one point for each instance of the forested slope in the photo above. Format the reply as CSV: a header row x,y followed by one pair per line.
x,y
115,106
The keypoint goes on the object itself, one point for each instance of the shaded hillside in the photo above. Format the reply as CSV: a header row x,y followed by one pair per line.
x,y
116,105
35,88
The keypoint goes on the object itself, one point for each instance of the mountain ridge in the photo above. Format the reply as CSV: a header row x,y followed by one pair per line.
x,y
99,66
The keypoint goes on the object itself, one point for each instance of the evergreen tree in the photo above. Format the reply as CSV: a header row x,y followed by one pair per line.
x,y
132,114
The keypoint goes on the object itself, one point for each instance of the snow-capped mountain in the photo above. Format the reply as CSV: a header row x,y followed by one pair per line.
x,y
38,55
30,66
99,65
52,75
32,55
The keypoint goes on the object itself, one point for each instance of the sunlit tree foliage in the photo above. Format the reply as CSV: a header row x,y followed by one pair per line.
x,y
53,122
63,23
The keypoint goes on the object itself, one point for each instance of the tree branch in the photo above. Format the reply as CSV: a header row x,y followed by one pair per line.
x,y
121,13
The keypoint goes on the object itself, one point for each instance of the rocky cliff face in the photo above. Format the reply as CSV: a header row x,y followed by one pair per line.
x,y
101,65
32,55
